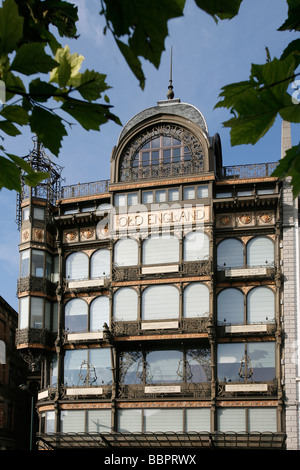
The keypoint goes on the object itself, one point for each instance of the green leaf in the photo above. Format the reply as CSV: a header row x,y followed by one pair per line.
x,y
32,58
15,114
9,128
11,27
90,115
31,177
222,9
133,62
290,166
14,85
48,127
10,175
67,73
41,91
92,85
293,20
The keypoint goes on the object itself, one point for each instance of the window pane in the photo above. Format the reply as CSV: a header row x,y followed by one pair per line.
x,y
230,305
98,421
125,304
99,313
160,302
48,266
189,193
260,252
174,194
24,263
262,357
262,419
163,420
131,367
36,312
196,246
100,359
120,200
160,196
196,301
197,419
148,197
50,422
231,419
76,311
77,266
198,365
160,249
129,420
126,252
164,367
132,199
72,367
202,191
100,264
24,313
38,213
72,421
25,214
230,254
229,361
47,315
260,305
37,263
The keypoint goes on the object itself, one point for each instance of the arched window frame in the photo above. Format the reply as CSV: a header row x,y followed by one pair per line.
x,y
135,252
244,254
158,313
88,273
87,312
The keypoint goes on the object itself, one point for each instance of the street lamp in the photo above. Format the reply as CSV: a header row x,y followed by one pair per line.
x,y
25,388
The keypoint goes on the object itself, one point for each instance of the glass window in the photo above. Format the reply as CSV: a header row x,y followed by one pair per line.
x,y
246,419
38,213
160,249
77,266
230,254
163,420
262,357
99,313
76,314
129,420
261,305
230,306
231,419
132,199
189,192
148,197
24,313
37,263
120,200
48,266
126,252
160,195
100,264
160,302
24,263
48,422
266,191
47,322
196,246
202,191
72,421
100,366
196,300
125,303
260,252
197,420
223,195
244,193
73,361
164,367
98,421
55,274
262,420
131,367
174,194
198,365
36,312
25,214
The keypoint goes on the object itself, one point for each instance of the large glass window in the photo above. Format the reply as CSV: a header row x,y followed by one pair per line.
x,y
261,305
37,263
87,367
99,313
260,252
230,306
196,300
77,266
35,312
126,252
24,313
125,304
164,367
85,421
160,249
76,315
160,302
196,246
100,264
246,419
248,362
25,263
230,254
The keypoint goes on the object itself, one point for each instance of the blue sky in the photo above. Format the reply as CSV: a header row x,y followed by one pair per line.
x,y
206,57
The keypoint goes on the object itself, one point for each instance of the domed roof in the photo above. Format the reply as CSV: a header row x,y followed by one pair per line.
x,y
172,107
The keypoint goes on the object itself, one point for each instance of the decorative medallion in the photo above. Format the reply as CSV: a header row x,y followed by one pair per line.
x,y
265,218
245,219
25,235
102,230
87,233
38,235
70,236
225,220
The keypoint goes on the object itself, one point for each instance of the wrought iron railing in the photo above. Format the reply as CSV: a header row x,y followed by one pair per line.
x,y
84,189
255,170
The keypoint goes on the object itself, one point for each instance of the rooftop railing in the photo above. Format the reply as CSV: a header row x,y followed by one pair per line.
x,y
84,189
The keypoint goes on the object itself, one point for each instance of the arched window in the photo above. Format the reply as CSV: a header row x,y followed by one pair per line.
x,y
260,252
164,151
196,246
196,300
76,316
99,313
260,305
230,254
159,249
100,264
77,266
160,303
126,252
230,306
125,304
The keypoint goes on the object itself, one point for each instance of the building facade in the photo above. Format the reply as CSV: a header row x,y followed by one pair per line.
x,y
153,303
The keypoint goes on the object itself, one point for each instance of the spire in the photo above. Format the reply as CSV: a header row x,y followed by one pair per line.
x,y
170,94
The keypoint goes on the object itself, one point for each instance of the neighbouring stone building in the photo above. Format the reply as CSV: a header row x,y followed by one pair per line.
x,y
161,305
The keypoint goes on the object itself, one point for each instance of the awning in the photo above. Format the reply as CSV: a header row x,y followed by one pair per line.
x,y
184,440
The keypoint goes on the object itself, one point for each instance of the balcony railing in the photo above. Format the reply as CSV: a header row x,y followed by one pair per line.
x,y
84,189
255,170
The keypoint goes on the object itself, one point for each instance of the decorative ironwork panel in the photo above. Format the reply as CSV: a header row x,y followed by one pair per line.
x,y
84,189
256,170
36,284
34,335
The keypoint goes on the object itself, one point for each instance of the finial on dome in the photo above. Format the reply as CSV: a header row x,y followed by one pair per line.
x,y
170,94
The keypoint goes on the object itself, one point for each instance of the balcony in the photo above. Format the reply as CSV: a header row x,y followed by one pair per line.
x,y
37,336
186,390
249,389
255,170
36,284
246,272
